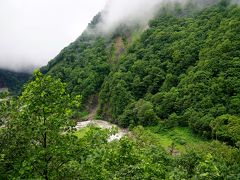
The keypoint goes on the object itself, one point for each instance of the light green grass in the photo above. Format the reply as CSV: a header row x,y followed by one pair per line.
x,y
82,132
181,137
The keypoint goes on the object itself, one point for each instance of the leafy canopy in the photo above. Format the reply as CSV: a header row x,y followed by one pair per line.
x,y
37,138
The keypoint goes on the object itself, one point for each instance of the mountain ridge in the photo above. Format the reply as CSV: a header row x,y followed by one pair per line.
x,y
171,52
14,81
171,87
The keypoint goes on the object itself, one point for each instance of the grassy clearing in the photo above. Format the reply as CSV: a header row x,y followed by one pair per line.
x,y
182,138
82,132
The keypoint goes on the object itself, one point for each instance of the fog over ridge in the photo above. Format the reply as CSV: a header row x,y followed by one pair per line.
x,y
126,12
34,32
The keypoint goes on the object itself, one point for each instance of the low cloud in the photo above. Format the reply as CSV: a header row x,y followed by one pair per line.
x,y
130,11
35,31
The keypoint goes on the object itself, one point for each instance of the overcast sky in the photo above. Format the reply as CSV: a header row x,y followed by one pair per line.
x,y
34,31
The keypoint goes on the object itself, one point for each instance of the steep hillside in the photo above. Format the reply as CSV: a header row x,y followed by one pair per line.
x,y
85,63
172,87
13,80
183,70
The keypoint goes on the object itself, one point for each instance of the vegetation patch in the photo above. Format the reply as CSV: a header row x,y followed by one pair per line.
x,y
181,138
82,132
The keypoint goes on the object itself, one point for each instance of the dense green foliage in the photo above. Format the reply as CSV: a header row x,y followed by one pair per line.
x,y
139,157
13,80
183,70
84,72
39,142
180,76
83,65
32,141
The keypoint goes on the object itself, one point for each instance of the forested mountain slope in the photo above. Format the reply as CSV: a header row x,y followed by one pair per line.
x,y
13,80
83,64
174,83
183,70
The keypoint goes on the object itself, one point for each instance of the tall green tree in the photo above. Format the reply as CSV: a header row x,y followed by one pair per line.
x,y
36,139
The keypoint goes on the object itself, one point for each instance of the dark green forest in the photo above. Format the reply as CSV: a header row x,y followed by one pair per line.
x,y
174,86
183,71
13,80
